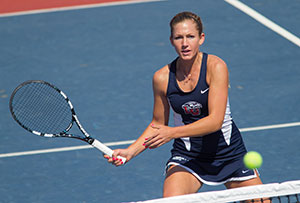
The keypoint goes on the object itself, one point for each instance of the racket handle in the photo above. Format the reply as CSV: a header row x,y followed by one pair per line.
x,y
106,150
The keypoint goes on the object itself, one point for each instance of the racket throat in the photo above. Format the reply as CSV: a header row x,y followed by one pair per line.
x,y
89,140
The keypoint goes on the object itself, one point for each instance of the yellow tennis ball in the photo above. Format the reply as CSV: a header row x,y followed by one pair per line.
x,y
253,160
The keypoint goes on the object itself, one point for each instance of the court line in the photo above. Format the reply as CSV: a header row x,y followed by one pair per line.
x,y
269,127
266,22
77,7
62,149
127,142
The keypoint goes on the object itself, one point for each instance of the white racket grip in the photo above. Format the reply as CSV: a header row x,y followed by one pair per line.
x,y
106,150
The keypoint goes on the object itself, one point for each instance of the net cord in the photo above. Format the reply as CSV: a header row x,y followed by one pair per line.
x,y
235,195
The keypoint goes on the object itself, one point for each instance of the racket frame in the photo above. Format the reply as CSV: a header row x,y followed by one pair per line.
x,y
87,138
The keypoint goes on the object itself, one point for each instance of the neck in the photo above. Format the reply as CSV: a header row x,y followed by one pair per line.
x,y
187,66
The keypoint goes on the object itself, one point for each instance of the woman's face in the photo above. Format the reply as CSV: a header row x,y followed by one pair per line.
x,y
186,39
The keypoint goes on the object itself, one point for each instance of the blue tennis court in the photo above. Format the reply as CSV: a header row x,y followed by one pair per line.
x,y
104,58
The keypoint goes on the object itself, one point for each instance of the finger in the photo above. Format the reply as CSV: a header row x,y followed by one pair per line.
x,y
154,126
156,144
149,141
117,162
116,158
109,159
150,137
160,144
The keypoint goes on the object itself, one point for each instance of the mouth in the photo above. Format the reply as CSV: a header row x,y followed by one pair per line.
x,y
185,52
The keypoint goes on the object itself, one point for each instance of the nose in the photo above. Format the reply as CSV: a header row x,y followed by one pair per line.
x,y
184,42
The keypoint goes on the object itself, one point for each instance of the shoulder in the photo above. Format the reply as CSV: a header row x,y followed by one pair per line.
x,y
161,75
215,62
216,67
161,78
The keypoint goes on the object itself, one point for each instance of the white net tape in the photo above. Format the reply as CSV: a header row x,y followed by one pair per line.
x,y
238,194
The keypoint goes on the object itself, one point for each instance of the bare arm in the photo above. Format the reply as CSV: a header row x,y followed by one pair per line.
x,y
160,117
161,109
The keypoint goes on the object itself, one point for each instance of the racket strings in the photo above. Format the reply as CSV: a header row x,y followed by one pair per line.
x,y
40,107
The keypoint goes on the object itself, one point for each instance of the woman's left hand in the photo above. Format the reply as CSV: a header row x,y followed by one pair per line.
x,y
162,135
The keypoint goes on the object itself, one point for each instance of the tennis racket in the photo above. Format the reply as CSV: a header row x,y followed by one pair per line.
x,y
44,110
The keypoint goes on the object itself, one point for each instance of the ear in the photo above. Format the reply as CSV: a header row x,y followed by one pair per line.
x,y
202,39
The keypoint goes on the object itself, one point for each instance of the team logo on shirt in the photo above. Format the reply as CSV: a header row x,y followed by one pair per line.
x,y
192,107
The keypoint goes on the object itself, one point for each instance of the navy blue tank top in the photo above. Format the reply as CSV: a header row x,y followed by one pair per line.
x,y
188,107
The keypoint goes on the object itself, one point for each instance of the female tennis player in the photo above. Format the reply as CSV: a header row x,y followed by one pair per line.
x,y
208,147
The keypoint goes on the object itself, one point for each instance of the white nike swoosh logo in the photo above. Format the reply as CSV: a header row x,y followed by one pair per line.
x,y
245,171
203,91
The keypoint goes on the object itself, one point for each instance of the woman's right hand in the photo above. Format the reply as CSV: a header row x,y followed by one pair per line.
x,y
115,160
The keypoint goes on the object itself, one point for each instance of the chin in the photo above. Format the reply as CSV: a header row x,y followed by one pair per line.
x,y
187,57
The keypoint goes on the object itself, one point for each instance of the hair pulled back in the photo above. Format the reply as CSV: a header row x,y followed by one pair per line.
x,y
186,15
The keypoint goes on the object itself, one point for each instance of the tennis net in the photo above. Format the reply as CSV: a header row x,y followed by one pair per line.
x,y
275,192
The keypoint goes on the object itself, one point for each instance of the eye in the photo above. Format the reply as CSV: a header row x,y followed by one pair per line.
x,y
191,36
177,37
